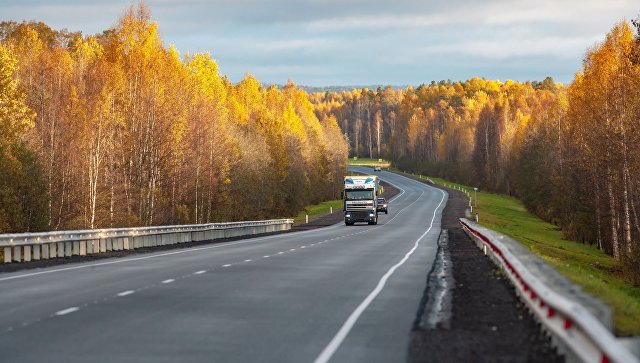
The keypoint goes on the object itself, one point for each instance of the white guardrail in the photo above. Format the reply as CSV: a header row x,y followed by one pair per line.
x,y
576,328
26,247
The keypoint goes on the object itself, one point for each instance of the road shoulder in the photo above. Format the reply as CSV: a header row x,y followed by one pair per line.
x,y
488,322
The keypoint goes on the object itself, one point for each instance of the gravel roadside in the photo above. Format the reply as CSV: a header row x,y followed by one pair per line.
x,y
488,323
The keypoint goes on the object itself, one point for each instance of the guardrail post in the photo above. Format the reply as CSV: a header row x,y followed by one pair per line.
x,y
60,249
45,251
83,248
16,254
27,253
67,249
36,252
7,254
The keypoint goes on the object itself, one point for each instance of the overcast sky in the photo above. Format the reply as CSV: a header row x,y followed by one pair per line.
x,y
358,42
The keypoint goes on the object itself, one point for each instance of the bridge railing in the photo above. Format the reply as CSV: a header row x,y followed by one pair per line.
x,y
24,247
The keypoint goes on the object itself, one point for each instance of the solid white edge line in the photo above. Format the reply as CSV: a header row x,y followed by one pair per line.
x,y
337,340
125,293
67,311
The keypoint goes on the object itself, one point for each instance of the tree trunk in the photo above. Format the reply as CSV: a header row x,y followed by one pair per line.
x,y
614,223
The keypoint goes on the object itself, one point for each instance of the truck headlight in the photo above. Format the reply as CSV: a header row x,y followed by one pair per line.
x,y
348,215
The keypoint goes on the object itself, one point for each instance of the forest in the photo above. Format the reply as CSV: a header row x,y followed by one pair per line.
x,y
570,153
117,129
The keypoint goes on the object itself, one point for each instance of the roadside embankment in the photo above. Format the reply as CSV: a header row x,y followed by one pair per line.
x,y
596,272
488,323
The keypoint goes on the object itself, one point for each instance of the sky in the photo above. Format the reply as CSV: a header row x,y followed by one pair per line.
x,y
358,42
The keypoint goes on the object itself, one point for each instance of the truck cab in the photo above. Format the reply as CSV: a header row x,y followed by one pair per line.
x,y
360,203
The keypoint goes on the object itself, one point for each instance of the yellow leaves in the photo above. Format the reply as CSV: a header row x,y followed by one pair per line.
x,y
87,49
15,116
29,43
293,124
209,87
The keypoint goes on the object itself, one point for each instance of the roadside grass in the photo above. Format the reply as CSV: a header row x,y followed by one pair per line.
x,y
317,210
598,273
369,162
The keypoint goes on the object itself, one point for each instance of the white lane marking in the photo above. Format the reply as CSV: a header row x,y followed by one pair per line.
x,y
227,265
125,293
168,281
292,249
303,247
247,260
199,272
337,340
280,253
266,256
67,311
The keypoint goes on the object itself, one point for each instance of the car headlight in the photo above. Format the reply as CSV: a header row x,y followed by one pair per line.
x,y
348,215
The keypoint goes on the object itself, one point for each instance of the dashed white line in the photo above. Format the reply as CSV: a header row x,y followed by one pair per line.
x,y
199,272
227,265
247,260
280,253
266,256
67,311
125,293
293,249
168,281
303,247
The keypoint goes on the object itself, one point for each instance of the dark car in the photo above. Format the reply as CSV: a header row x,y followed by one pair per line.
x,y
383,205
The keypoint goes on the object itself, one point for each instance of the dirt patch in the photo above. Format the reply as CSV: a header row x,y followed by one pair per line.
x,y
488,322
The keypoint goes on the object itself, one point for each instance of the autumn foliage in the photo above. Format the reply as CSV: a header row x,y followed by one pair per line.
x,y
572,154
117,129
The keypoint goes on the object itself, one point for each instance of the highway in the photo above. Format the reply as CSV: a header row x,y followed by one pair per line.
x,y
339,294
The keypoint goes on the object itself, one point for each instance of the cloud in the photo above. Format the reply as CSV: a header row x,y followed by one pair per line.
x,y
552,47
321,42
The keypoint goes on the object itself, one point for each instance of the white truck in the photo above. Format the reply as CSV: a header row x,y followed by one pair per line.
x,y
360,203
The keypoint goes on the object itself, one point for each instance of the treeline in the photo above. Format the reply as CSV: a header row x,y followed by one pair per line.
x,y
117,129
572,154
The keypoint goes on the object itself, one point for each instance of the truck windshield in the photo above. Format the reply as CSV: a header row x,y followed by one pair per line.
x,y
359,194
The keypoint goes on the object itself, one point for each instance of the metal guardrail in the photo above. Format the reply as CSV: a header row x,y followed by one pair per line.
x,y
24,247
579,331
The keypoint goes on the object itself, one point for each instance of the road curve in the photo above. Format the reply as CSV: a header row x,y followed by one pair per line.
x,y
340,294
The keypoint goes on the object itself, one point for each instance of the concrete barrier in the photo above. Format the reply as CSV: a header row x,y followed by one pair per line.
x,y
26,247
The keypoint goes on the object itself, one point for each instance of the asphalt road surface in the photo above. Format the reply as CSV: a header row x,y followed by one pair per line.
x,y
339,294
